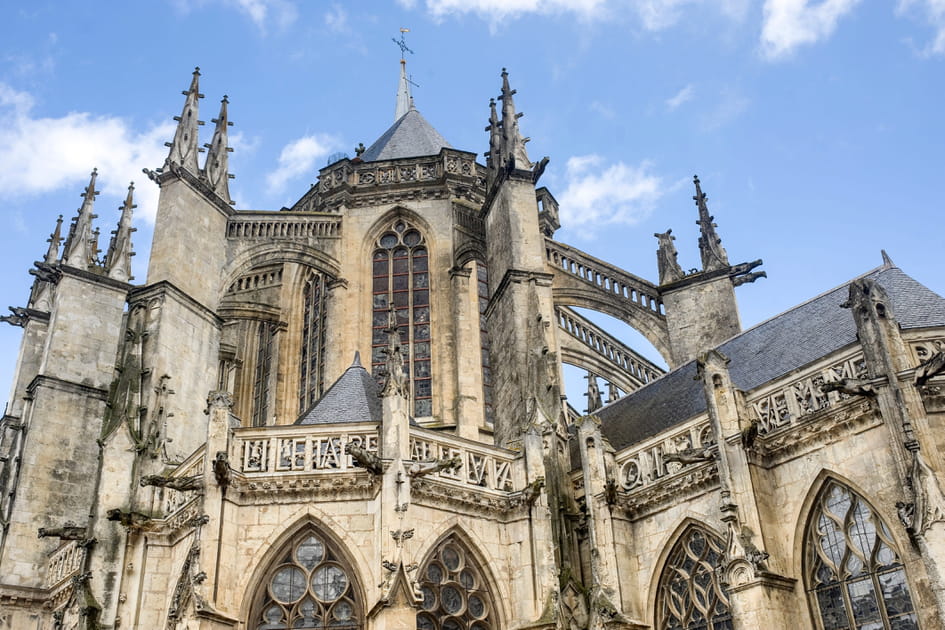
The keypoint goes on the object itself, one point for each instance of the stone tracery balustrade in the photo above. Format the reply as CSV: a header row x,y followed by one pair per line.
x,y
483,467
786,405
64,563
290,226
173,500
645,465
596,272
299,449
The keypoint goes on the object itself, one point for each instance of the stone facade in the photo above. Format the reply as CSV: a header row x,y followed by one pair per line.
x,y
200,451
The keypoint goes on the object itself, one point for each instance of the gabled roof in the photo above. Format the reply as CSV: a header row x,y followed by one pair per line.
x,y
772,349
352,398
410,136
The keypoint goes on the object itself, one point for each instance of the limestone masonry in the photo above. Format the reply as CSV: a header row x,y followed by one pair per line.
x,y
350,414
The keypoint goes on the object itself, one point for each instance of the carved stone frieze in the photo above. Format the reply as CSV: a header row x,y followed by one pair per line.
x,y
670,490
337,485
429,491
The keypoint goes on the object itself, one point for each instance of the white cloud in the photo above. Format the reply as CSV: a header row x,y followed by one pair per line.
x,y
604,110
298,158
336,19
792,23
43,154
598,194
934,12
731,105
682,96
263,13
498,9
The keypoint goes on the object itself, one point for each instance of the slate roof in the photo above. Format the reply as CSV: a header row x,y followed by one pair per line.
x,y
410,136
352,398
778,346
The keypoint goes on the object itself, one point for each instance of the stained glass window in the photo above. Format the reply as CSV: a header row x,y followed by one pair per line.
x,y
854,575
313,342
262,373
455,596
401,277
310,587
482,291
690,595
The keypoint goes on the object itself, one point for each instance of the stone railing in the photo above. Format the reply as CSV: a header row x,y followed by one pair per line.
x,y
64,563
607,347
776,408
482,467
605,277
259,280
299,449
289,226
647,464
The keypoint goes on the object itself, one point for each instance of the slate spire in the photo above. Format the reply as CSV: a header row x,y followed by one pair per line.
x,y
404,99
184,147
79,249
118,258
52,254
216,168
710,245
513,144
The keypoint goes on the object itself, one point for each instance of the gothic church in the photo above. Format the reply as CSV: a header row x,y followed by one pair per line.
x,y
349,414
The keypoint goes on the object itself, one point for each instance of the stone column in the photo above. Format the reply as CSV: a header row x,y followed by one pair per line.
x,y
467,363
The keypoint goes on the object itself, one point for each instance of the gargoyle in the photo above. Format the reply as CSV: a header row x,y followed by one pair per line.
x,y
748,277
935,365
750,434
420,469
690,456
850,386
131,520
181,484
364,458
19,317
69,531
532,491
221,471
46,272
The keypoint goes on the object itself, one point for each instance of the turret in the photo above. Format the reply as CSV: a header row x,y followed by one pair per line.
x,y
216,169
118,258
184,147
79,250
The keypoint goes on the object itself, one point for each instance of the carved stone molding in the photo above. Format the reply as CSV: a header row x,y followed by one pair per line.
x,y
670,490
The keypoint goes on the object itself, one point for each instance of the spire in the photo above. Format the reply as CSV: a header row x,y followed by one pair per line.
x,y
79,249
118,258
52,254
404,100
713,254
184,148
216,168
513,144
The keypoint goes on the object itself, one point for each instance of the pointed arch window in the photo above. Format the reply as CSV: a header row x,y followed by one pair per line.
x,y
401,278
455,596
854,576
311,356
690,595
262,373
310,586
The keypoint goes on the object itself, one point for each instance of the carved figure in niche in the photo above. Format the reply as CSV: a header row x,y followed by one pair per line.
x,y
420,469
669,269
396,381
364,458
181,484
906,513
255,454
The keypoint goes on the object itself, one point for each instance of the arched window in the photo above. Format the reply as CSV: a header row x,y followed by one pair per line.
x,y
853,573
309,587
263,372
455,596
313,342
690,595
401,277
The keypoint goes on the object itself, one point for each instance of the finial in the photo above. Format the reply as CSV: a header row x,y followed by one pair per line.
x,y
216,167
666,258
887,261
714,255
184,147
52,254
79,250
512,152
404,101
118,257
357,359
594,401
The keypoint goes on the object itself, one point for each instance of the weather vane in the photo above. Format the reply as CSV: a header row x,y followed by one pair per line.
x,y
402,44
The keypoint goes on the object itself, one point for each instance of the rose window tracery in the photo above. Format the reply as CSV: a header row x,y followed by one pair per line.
x,y
310,587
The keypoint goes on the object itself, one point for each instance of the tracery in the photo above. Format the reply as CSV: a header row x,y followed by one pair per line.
x,y
690,595
309,587
455,596
854,576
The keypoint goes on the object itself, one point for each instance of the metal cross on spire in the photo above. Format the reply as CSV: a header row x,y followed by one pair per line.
x,y
402,43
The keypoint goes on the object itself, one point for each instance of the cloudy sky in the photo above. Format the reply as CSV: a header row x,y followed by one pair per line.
x,y
815,126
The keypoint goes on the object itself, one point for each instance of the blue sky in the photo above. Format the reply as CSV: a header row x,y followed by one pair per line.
x,y
816,127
